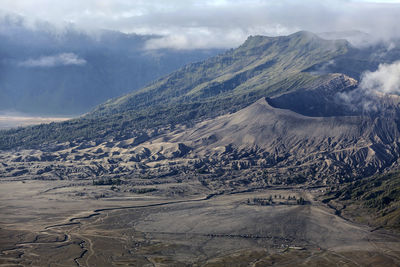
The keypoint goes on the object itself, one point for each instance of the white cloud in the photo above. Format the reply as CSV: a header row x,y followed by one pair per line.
x,y
215,23
200,38
374,85
386,79
63,59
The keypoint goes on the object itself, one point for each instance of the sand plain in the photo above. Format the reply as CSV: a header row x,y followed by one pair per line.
x,y
60,223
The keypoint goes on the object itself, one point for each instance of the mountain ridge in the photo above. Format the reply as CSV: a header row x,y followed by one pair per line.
x,y
258,56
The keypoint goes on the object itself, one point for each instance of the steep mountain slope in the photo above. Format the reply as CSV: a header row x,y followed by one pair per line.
x,y
321,148
262,66
52,71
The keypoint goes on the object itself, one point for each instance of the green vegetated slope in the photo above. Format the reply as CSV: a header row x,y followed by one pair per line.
x,y
374,200
262,66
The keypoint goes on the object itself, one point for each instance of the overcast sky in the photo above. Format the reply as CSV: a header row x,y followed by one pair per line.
x,y
214,23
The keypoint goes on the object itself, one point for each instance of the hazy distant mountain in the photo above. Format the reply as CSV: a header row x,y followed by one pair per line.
x,y
44,70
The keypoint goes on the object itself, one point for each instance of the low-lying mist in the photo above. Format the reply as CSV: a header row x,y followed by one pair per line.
x,y
12,119
375,88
